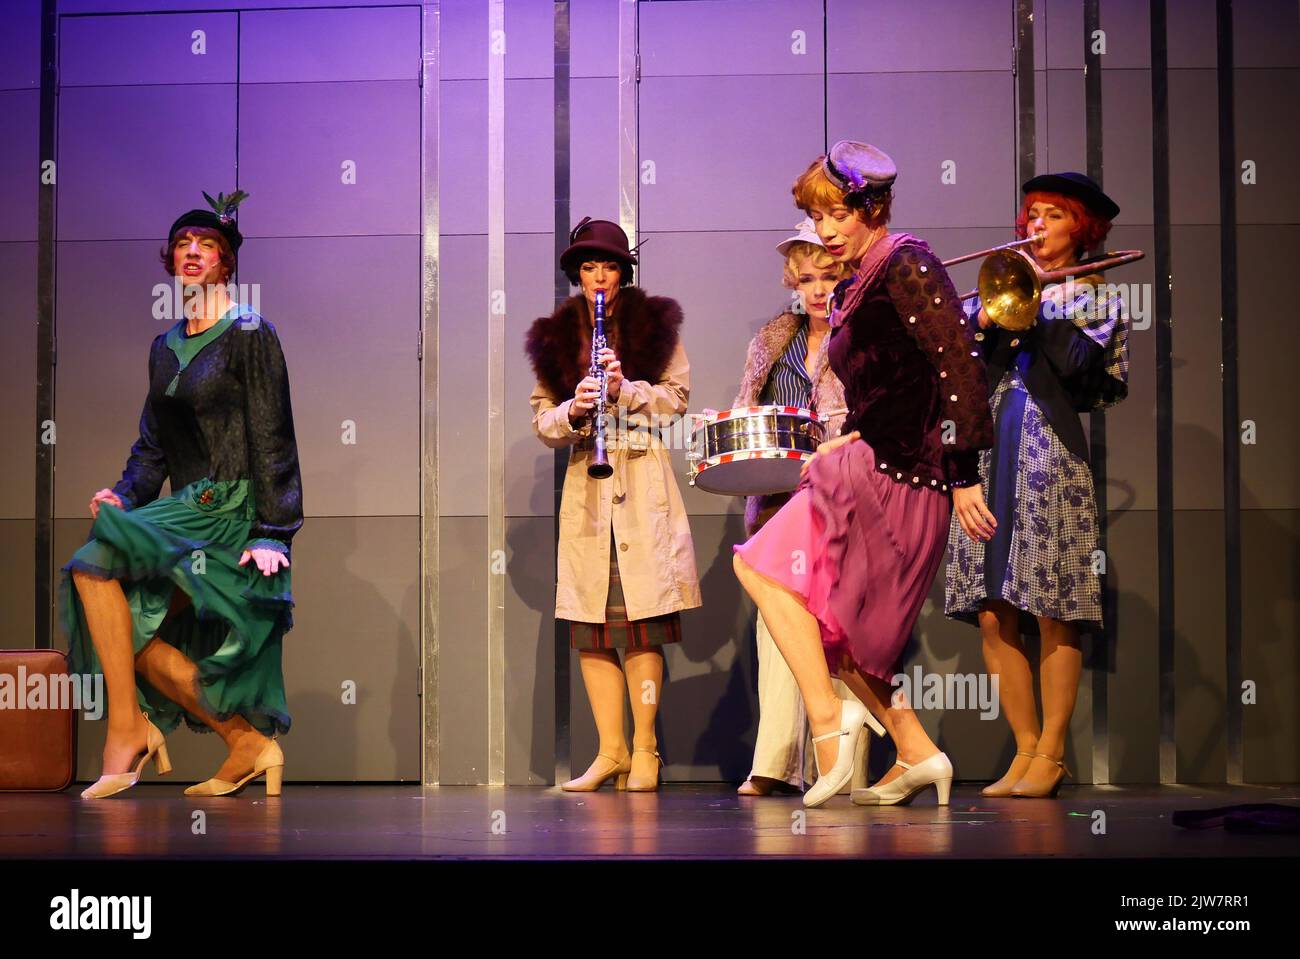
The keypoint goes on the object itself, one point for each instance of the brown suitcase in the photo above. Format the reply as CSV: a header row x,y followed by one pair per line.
x,y
37,743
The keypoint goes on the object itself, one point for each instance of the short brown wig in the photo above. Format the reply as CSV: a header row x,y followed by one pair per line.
x,y
814,188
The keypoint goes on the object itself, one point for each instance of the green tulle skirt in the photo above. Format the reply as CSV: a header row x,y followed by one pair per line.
x,y
237,617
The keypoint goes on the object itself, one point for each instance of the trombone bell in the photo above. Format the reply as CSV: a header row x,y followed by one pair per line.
x,y
1009,290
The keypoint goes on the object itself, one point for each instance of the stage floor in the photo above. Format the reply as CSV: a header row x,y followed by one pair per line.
x,y
679,822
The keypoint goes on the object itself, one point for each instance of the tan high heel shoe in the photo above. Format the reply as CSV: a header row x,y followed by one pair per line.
x,y
114,783
649,784
269,761
1022,791
590,781
1005,785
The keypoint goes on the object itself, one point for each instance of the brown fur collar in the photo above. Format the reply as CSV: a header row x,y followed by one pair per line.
x,y
643,332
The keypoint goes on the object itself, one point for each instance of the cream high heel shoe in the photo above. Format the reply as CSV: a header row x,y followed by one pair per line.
x,y
996,791
650,784
589,782
114,783
270,761
853,716
937,770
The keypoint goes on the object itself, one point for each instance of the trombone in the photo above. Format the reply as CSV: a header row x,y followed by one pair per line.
x,y
1010,287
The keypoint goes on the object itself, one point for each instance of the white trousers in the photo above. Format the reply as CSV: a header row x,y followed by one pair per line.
x,y
783,749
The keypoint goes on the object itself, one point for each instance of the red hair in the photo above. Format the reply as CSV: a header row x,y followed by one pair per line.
x,y
1089,229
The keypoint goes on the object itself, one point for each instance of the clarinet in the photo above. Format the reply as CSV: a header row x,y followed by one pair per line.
x,y
599,467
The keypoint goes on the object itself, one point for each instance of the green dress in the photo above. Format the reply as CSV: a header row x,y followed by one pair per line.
x,y
217,421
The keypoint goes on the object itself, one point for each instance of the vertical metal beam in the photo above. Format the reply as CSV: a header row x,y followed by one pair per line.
x,y
430,108
563,217
629,145
1102,647
45,332
1231,412
1023,67
1164,388
496,380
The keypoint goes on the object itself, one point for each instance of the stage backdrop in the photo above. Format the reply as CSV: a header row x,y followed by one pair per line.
x,y
364,129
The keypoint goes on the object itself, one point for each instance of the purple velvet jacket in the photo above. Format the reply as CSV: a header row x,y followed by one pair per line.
x,y
913,380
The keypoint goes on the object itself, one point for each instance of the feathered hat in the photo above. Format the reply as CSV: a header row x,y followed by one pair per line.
x,y
220,217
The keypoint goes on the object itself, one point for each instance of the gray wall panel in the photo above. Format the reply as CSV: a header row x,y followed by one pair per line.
x,y
20,46
684,119
462,377
280,46
1126,134
463,569
528,40
17,583
1131,426
1263,98
349,327
1198,378
895,35
96,51
529,134
1270,468
1061,39
1127,26
19,431
683,39
1064,119
1270,625
1200,651
1133,718
593,157
317,128
1194,145
974,129
1192,35
530,291
110,135
105,330
20,167
1266,33
593,39
530,651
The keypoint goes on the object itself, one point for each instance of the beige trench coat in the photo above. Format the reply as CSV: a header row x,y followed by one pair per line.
x,y
641,502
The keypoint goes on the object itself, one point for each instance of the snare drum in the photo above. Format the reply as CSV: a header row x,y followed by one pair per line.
x,y
753,450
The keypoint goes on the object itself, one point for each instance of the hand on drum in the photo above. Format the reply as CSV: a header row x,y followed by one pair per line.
x,y
973,513
613,373
828,447
104,496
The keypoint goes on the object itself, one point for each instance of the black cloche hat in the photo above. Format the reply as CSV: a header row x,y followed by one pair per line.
x,y
1080,187
221,217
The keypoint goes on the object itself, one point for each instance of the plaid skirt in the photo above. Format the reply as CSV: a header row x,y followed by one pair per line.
x,y
619,632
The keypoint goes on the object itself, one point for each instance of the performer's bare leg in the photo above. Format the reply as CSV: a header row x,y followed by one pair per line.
x,y
798,637
1004,657
895,713
174,674
603,677
645,678
108,618
1060,665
